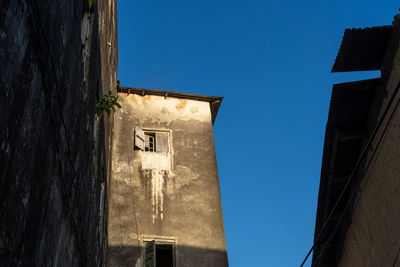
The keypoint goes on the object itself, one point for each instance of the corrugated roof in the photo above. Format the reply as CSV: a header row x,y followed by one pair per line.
x,y
362,49
214,101
344,137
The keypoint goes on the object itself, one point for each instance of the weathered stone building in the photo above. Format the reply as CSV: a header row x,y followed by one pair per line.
x,y
164,204
358,213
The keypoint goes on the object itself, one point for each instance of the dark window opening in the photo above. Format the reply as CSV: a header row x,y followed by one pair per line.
x,y
158,254
164,256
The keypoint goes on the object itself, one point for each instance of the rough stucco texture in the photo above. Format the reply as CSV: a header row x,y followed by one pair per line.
x,y
53,150
162,196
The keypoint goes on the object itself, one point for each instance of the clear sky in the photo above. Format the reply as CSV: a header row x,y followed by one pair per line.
x,y
271,62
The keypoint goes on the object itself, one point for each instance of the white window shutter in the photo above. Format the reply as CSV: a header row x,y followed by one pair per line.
x,y
139,138
162,143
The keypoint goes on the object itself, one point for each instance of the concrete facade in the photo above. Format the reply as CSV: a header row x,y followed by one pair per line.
x,y
367,232
171,196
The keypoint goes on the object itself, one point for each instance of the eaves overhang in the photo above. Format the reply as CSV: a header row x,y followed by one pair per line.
x,y
214,101
362,49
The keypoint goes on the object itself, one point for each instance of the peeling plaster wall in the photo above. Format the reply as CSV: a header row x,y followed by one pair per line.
x,y
174,196
54,152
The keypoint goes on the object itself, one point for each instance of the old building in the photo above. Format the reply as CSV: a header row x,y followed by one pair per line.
x,y
65,170
358,212
164,204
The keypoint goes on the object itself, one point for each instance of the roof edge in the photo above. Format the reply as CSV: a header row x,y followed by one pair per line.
x,y
362,49
215,101
359,83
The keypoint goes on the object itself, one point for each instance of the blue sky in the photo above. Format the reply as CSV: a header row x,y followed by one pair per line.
x,y
271,62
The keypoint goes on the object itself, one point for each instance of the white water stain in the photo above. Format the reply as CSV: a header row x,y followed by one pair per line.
x,y
157,197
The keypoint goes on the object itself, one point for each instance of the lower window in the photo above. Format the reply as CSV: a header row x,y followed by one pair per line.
x,y
159,254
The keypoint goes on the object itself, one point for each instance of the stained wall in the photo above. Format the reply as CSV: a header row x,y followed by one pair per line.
x,y
172,195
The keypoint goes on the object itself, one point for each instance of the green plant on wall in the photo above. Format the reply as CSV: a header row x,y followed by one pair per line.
x,y
107,103
91,3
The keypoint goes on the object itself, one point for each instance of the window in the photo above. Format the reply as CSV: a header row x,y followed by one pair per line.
x,y
151,141
159,254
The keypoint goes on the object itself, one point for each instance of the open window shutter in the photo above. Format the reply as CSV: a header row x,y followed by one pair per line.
x,y
150,254
162,144
139,138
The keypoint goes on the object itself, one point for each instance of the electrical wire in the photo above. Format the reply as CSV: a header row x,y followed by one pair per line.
x,y
357,165
397,256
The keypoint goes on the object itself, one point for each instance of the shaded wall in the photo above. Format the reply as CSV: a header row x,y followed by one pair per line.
x,y
372,238
173,196
56,61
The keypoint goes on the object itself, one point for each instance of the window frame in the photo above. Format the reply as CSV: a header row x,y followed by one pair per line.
x,y
149,141
161,136
159,241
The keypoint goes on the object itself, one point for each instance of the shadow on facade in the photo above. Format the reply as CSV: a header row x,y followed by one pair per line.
x,y
182,256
